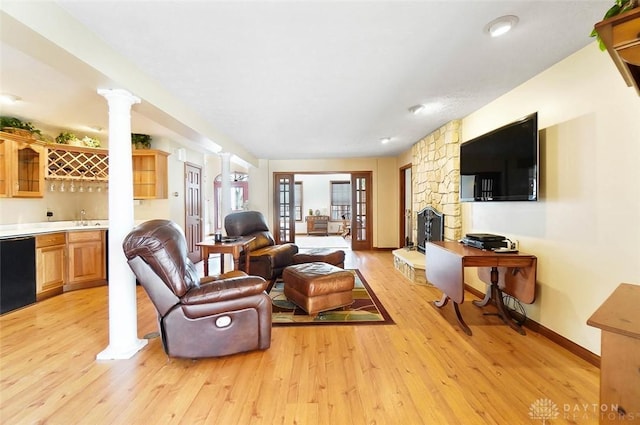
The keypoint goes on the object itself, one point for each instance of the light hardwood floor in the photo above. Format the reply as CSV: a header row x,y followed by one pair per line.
x,y
422,370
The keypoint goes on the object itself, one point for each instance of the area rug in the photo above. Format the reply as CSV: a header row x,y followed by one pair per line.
x,y
365,310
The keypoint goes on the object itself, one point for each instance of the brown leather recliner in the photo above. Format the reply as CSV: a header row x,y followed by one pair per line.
x,y
266,258
209,317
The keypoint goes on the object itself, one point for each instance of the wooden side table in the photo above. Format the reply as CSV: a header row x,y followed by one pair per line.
x,y
620,354
512,273
235,248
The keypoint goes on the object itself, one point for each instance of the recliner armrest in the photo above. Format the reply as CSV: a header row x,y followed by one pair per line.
x,y
224,290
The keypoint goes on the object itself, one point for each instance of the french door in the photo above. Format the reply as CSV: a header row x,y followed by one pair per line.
x,y
283,208
361,218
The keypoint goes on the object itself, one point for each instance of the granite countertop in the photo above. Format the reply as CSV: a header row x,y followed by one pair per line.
x,y
32,229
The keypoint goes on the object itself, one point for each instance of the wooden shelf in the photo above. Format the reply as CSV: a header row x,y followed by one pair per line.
x,y
621,36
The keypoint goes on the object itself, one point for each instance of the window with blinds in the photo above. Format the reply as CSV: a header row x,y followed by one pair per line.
x,y
340,200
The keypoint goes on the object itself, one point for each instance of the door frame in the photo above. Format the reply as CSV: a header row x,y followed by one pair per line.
x,y
403,205
195,254
284,220
365,244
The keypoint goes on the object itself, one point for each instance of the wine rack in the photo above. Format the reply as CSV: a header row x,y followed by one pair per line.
x,y
77,163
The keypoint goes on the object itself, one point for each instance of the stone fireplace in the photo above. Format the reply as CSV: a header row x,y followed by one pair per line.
x,y
435,175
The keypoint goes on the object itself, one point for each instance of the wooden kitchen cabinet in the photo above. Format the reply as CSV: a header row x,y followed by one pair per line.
x,y
619,321
5,168
51,264
150,174
87,265
22,165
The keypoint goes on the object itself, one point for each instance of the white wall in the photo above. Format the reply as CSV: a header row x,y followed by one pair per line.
x,y
585,229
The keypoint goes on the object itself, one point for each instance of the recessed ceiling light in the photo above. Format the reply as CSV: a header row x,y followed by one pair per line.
x,y
425,108
416,109
501,25
9,99
385,140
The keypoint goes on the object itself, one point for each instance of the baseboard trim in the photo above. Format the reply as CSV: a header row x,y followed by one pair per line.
x,y
558,339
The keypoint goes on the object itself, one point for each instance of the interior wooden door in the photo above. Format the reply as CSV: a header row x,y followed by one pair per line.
x,y
193,210
406,206
284,229
361,218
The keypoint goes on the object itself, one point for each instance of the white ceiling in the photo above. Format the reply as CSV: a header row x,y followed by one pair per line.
x,y
301,79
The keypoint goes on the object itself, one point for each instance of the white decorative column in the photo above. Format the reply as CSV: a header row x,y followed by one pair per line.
x,y
225,187
123,320
225,198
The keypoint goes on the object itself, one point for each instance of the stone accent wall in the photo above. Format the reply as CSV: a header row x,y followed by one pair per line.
x,y
435,175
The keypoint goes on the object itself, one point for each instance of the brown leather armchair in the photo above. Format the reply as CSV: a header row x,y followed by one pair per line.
x,y
266,258
209,317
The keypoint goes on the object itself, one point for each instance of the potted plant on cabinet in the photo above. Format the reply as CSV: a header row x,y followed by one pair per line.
x,y
17,126
141,141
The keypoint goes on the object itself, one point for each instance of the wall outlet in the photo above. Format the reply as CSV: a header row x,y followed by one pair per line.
x,y
49,213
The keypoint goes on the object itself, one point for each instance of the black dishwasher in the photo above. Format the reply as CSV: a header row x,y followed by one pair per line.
x,y
17,273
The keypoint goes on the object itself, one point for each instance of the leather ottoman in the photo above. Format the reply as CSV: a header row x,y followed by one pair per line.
x,y
317,286
334,257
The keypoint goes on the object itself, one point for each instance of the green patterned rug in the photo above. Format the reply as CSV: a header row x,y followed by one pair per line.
x,y
365,310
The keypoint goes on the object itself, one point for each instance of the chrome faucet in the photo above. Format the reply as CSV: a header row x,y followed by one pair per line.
x,y
83,217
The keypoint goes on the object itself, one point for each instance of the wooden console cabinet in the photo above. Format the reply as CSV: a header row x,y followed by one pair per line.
x,y
620,354
317,225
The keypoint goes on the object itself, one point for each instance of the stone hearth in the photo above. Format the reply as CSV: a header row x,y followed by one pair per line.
x,y
411,264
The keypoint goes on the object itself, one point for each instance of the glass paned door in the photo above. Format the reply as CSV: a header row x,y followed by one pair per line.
x,y
361,219
284,207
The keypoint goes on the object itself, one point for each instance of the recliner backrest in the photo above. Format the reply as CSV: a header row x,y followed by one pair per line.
x,y
162,245
249,223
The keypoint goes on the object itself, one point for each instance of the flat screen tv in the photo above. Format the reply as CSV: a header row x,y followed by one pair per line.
x,y
501,165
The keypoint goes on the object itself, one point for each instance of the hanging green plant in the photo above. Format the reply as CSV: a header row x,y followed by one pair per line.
x,y
141,141
619,7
